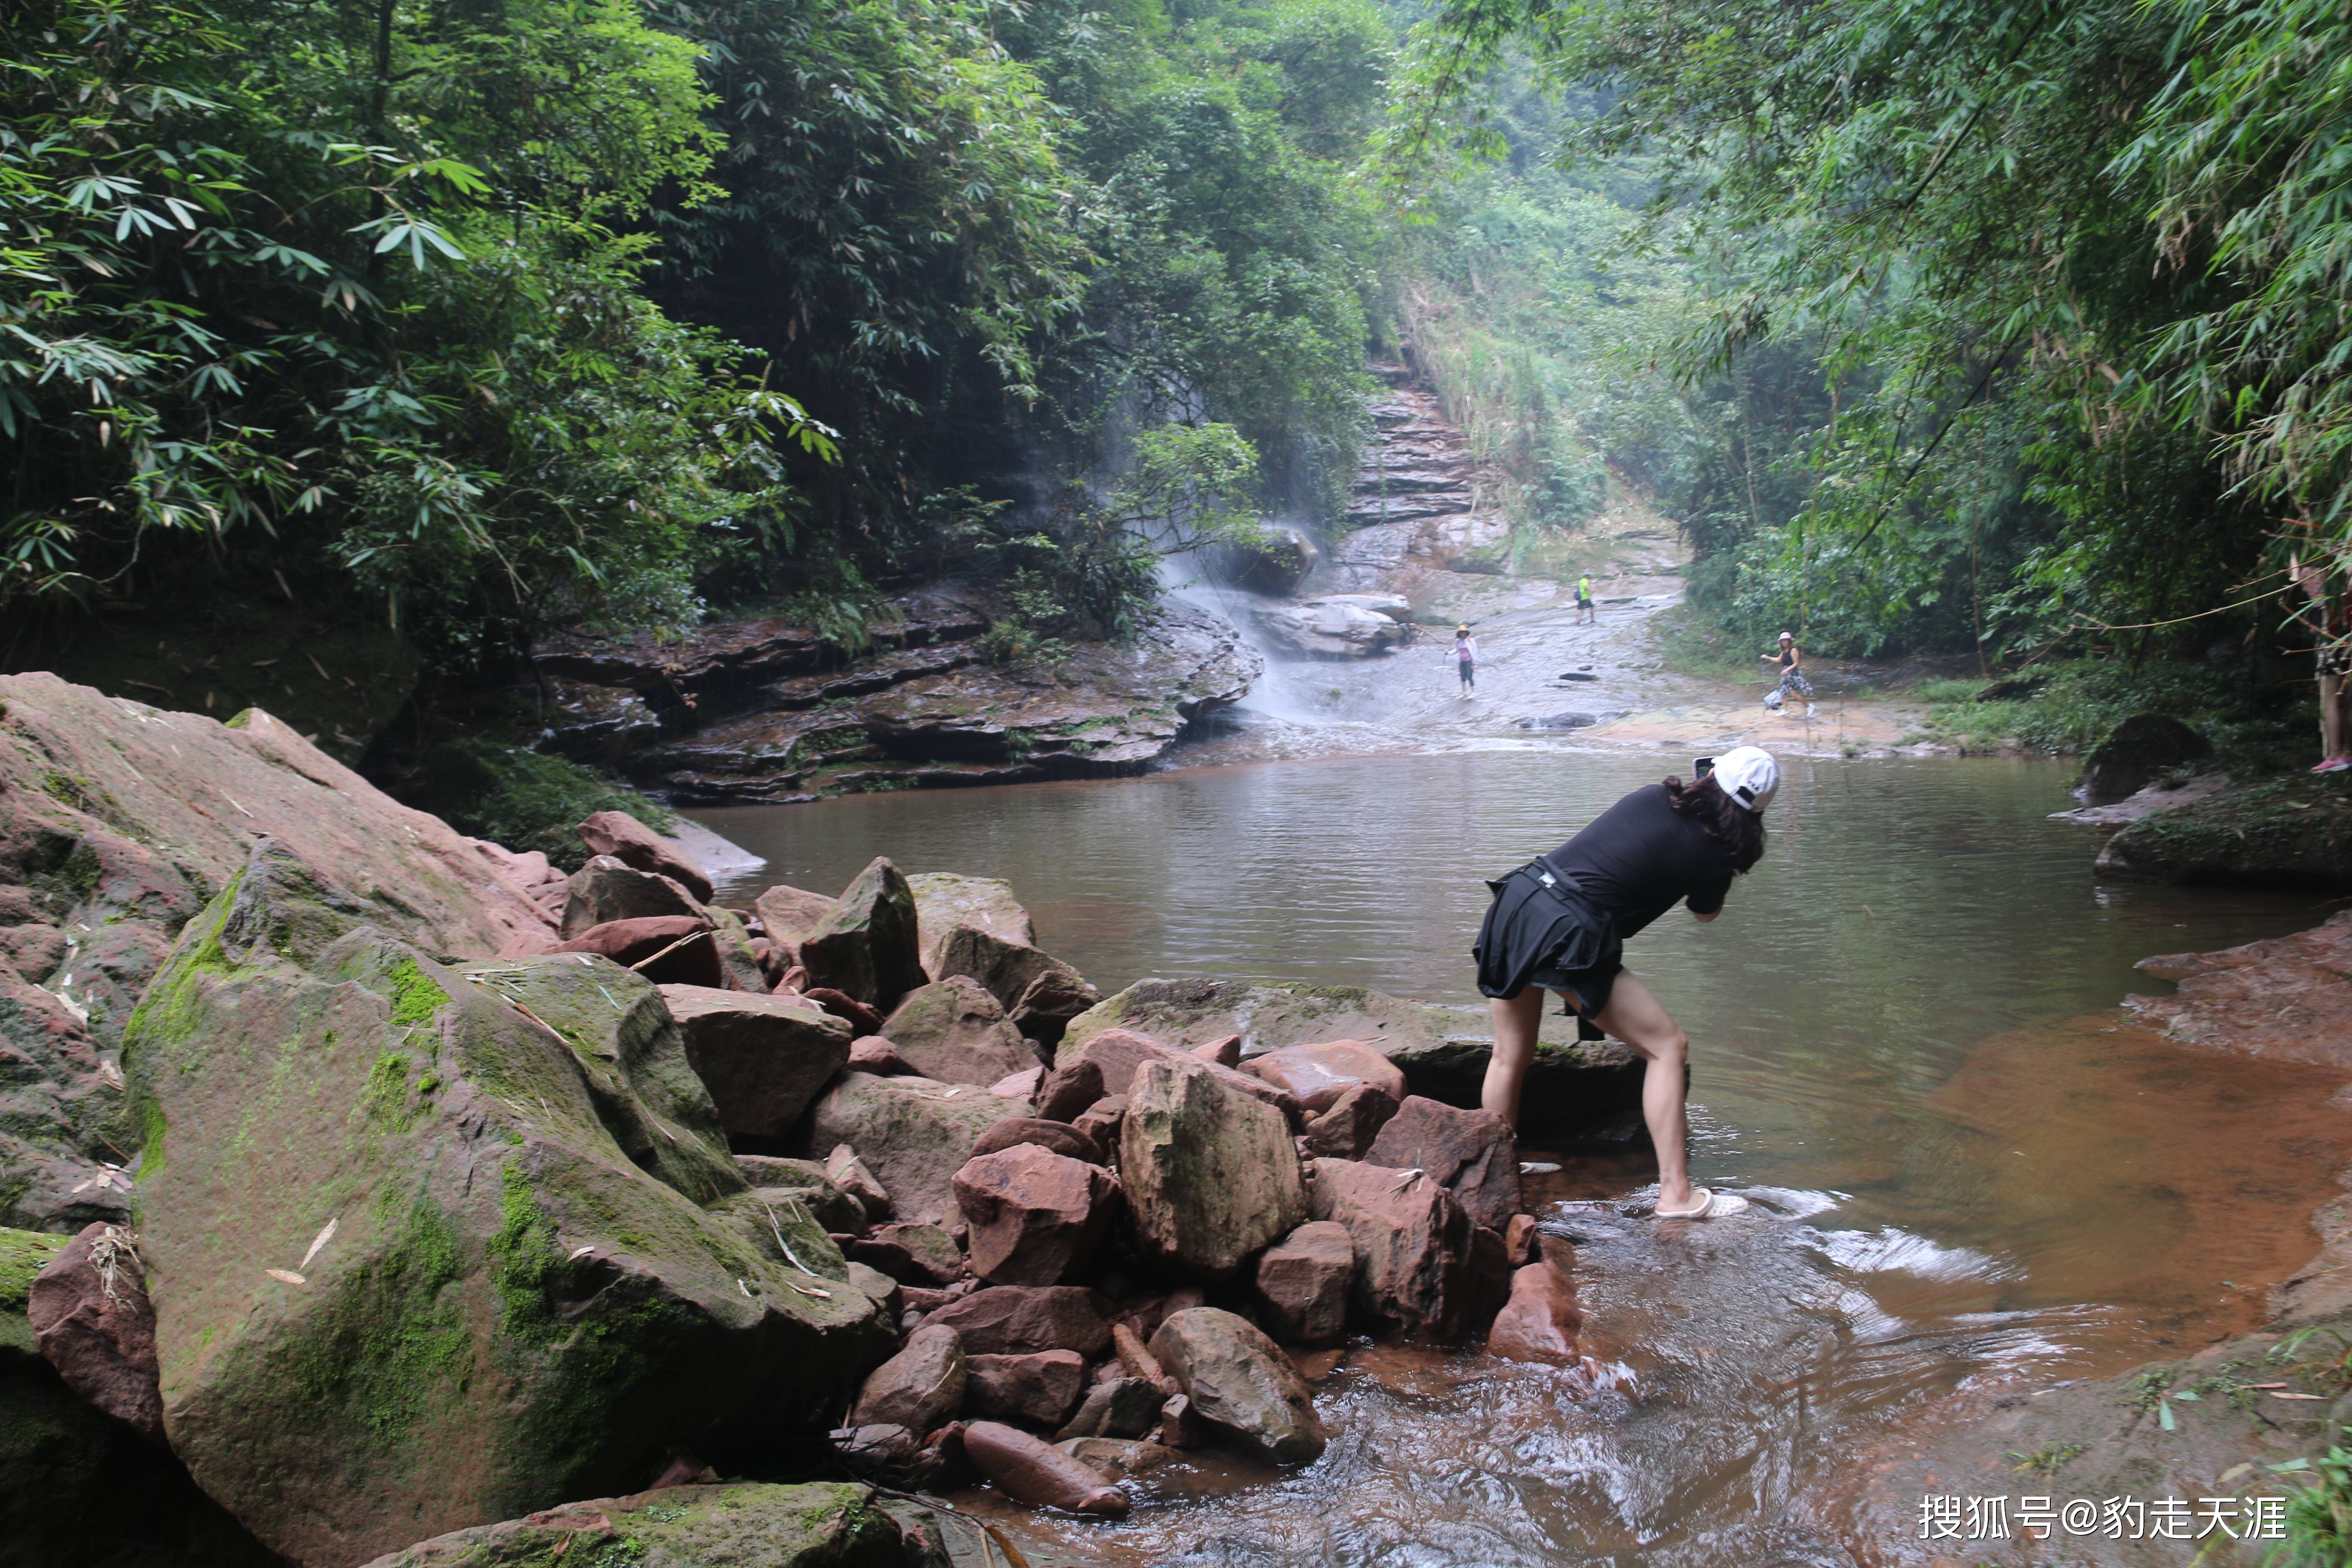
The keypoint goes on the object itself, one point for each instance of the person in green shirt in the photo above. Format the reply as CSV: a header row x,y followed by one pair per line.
x,y
1584,599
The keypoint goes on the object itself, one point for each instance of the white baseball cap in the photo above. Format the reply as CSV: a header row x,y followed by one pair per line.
x,y
1748,775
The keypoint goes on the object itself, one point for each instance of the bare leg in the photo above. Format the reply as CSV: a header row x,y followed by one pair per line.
x,y
1516,1023
1636,1018
2331,715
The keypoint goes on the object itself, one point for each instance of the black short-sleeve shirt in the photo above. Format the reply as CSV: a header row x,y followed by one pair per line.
x,y
1641,858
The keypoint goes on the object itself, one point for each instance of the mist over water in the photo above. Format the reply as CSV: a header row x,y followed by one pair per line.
x,y
1966,1175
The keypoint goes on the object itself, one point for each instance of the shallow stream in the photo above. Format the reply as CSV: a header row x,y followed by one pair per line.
x,y
1966,1173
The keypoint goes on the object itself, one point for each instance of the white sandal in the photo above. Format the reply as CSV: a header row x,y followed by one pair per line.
x,y
1717,1206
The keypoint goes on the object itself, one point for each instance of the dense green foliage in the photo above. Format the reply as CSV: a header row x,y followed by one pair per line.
x,y
337,292
2025,318
490,316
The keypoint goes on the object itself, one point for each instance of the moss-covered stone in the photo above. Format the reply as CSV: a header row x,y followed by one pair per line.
x,y
23,1254
420,1264
2293,831
818,1525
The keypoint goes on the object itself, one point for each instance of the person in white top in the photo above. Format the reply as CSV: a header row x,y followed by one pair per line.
x,y
1465,658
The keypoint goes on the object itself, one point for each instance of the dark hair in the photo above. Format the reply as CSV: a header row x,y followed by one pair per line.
x,y
1728,823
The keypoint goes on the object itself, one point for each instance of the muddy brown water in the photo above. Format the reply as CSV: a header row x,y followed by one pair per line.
x,y
1967,1173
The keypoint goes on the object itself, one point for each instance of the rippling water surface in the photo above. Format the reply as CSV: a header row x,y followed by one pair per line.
x,y
1966,1173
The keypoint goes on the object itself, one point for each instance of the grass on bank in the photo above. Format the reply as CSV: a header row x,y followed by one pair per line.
x,y
2260,719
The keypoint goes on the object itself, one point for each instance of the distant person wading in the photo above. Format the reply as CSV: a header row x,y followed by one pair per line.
x,y
1559,923
1465,658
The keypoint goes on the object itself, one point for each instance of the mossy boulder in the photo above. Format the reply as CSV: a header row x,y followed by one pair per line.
x,y
2138,751
121,821
819,1525
428,1247
2293,831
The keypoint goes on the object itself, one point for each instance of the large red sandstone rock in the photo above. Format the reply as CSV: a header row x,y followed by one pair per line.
x,y
1014,1319
1316,1076
1058,1136
1211,1174
1239,1382
121,819
1034,1471
912,1134
631,943
1069,1089
1041,1388
1411,1241
1540,1320
763,1058
1039,992
1471,1151
1035,1216
866,945
920,1388
1347,1129
624,837
608,889
877,1055
91,1319
1117,1052
954,1031
1303,1283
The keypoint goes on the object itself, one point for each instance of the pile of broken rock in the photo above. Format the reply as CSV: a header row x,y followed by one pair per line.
x,y
455,1191
1097,1242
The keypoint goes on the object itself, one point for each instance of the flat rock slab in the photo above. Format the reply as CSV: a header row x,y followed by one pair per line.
x,y
820,1524
912,1133
1018,1319
763,1058
1318,1075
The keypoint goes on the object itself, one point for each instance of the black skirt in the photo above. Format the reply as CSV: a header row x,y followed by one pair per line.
x,y
1541,930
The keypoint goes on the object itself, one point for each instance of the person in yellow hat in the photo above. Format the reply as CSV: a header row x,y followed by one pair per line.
x,y
1466,657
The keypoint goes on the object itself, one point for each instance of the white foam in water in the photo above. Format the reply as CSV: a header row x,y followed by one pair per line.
x,y
1894,1251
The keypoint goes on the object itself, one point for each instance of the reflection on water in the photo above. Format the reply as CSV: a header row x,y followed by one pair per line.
x,y
1965,1172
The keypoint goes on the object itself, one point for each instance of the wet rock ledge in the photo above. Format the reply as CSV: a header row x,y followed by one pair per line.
x,y
764,711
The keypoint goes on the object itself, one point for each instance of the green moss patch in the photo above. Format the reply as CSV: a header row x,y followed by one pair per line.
x,y
23,1254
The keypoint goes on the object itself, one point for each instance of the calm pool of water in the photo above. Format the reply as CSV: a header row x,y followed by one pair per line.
x,y
1966,1173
